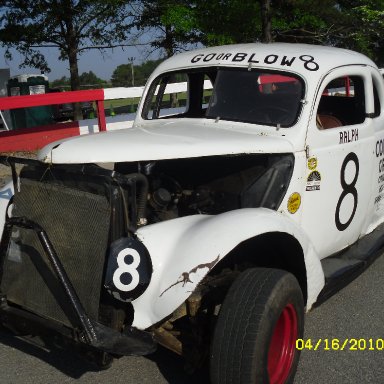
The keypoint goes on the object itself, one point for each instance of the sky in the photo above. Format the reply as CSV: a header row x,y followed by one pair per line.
x,y
102,65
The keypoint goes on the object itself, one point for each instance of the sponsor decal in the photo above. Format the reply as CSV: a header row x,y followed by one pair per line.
x,y
294,202
378,199
314,176
307,61
379,151
380,148
348,136
312,163
313,181
380,154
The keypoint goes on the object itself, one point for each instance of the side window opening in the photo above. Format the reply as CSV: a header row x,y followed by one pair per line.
x,y
342,103
209,80
376,100
168,97
179,94
200,92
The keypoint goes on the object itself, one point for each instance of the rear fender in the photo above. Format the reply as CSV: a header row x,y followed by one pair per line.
x,y
184,250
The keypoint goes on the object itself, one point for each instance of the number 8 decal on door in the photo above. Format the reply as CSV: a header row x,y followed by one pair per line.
x,y
347,189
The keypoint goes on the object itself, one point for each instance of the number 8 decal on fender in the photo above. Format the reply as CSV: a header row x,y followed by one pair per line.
x,y
130,269
347,189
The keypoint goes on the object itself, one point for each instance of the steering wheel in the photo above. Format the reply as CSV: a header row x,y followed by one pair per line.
x,y
276,114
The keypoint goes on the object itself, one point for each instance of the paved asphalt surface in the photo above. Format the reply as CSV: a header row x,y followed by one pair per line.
x,y
355,312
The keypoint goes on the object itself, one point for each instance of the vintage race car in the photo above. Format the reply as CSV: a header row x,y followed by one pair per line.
x,y
211,226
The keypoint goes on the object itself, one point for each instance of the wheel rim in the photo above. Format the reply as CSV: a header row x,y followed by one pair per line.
x,y
282,346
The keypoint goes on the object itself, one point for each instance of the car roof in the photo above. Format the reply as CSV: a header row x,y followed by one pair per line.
x,y
304,59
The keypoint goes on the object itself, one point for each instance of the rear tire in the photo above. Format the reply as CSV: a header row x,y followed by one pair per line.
x,y
255,336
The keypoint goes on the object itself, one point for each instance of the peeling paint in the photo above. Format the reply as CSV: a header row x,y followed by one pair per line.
x,y
184,278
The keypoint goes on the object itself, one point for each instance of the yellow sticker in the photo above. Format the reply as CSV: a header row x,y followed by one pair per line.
x,y
312,163
294,202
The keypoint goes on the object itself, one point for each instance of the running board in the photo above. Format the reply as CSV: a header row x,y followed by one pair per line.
x,y
343,267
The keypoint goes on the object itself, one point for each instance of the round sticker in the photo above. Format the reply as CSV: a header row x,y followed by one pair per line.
x,y
312,163
294,202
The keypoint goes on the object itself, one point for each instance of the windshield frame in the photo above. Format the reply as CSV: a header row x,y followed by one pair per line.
x,y
214,74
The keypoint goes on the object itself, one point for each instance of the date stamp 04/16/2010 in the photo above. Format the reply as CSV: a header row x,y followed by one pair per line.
x,y
333,344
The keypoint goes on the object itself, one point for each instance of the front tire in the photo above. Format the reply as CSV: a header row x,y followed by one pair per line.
x,y
255,336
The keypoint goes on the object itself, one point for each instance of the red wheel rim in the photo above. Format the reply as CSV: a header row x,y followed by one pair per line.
x,y
282,347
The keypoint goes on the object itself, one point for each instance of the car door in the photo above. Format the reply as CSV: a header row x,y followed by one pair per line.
x,y
340,142
377,202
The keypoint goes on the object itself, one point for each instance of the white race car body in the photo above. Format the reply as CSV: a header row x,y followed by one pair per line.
x,y
326,151
204,241
189,139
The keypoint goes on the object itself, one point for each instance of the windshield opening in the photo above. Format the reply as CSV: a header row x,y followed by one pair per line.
x,y
252,96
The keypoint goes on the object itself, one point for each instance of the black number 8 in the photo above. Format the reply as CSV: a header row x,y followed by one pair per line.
x,y
347,189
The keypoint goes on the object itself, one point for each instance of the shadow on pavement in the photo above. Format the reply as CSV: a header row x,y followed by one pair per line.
x,y
171,367
64,360
74,365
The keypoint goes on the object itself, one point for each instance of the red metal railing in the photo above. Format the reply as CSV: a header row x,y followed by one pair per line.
x,y
97,95
36,137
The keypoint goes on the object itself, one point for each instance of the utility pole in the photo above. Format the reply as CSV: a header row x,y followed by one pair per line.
x,y
131,60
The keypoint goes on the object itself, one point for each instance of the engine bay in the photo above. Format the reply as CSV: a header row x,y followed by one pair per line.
x,y
212,185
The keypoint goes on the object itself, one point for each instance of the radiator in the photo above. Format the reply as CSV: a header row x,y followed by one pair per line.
x,y
77,223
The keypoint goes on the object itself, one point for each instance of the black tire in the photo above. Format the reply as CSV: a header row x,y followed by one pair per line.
x,y
259,308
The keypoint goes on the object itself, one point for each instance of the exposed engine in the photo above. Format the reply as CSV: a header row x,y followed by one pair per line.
x,y
212,185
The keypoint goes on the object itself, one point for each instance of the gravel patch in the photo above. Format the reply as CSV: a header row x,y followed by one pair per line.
x,y
5,171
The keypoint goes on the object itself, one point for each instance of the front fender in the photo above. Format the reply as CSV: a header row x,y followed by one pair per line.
x,y
184,250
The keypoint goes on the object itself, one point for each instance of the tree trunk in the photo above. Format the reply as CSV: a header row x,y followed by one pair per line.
x,y
74,69
168,42
73,61
266,21
169,49
75,81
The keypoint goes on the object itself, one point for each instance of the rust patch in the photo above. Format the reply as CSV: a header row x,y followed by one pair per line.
x,y
184,278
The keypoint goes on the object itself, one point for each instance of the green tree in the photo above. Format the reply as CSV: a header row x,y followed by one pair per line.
x,y
228,21
90,79
308,21
172,24
365,27
244,21
122,75
354,24
72,26
64,81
